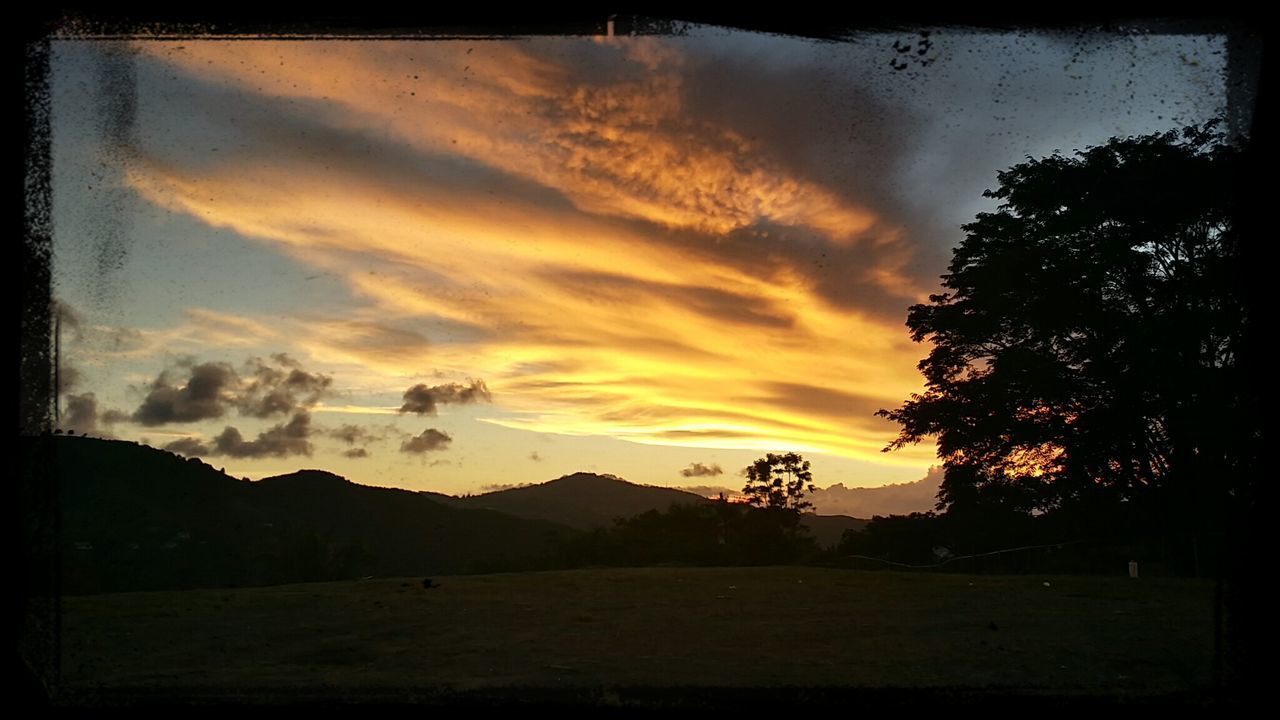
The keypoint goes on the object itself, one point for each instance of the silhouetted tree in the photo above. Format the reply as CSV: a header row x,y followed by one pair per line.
x,y
1085,349
779,482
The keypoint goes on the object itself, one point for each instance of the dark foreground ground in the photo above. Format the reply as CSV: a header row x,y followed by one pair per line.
x,y
603,629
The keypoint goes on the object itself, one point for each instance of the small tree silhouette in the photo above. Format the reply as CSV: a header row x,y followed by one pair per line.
x,y
779,482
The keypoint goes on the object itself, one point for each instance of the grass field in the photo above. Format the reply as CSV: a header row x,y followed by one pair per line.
x,y
600,628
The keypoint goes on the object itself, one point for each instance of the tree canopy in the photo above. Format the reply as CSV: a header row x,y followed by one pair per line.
x,y
779,482
1085,346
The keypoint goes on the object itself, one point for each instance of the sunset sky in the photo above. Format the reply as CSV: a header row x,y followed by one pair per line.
x,y
449,265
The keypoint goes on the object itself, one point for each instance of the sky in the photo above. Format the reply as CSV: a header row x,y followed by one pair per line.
x,y
454,265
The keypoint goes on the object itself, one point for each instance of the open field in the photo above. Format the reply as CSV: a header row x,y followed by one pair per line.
x,y
601,628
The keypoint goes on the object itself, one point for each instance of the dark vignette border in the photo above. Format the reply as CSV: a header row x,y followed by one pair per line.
x,y
38,613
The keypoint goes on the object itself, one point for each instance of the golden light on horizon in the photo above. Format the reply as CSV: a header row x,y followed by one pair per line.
x,y
587,323
654,251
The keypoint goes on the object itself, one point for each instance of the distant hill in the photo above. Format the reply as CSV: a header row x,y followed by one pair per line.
x,y
586,500
828,529
582,500
137,518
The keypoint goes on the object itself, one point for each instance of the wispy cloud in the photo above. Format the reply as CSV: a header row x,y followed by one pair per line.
x,y
611,262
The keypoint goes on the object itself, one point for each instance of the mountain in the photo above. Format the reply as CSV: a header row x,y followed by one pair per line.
x,y
899,499
586,500
137,518
582,500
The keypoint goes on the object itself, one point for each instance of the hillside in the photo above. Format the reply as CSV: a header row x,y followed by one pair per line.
x,y
135,518
585,500
582,500
828,529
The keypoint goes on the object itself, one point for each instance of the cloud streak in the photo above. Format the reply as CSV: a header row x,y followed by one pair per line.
x,y
707,245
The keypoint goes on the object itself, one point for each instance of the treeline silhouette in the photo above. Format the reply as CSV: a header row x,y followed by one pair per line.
x,y
136,518
718,533
1099,540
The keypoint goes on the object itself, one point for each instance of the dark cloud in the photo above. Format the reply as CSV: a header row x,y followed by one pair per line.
x,y
204,395
280,390
279,441
80,413
534,456
191,447
113,416
422,400
356,453
210,389
700,470
429,441
68,377
352,434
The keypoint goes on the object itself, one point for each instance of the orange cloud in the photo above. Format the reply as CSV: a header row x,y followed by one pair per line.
x,y
582,320
621,147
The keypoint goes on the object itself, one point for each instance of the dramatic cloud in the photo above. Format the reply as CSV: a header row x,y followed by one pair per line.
x,y
280,390
279,441
205,394
80,413
422,400
429,441
706,241
263,390
356,453
699,470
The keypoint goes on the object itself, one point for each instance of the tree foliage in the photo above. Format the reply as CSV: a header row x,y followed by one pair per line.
x,y
779,482
1084,349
